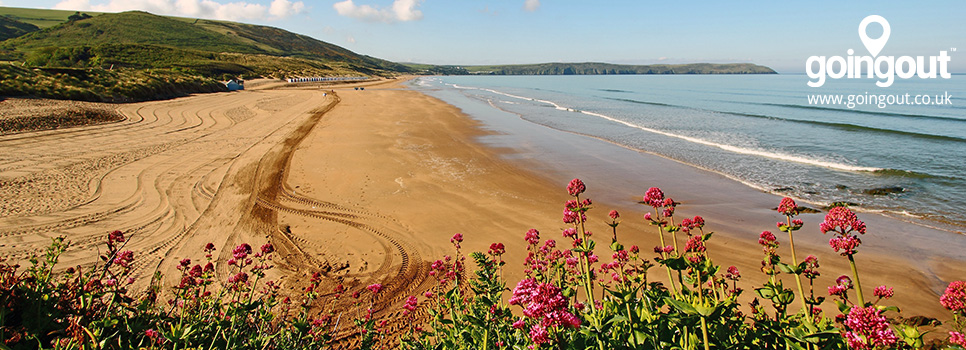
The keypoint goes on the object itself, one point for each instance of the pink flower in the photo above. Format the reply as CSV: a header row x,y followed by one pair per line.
x,y
842,220
569,217
576,187
957,338
519,324
539,335
668,212
375,288
868,323
837,290
788,207
697,222
954,299
847,244
210,247
614,214
844,280
411,303
115,237
240,277
497,249
533,236
570,233
654,197
124,259
811,267
694,245
635,249
543,302
268,248
153,335
241,251
733,273
457,239
883,292
647,216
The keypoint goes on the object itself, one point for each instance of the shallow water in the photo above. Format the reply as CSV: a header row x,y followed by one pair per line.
x,y
759,130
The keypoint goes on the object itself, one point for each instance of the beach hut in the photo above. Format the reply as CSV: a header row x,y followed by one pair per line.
x,y
235,85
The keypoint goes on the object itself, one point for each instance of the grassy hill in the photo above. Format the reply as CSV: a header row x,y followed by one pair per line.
x,y
165,48
38,17
12,28
594,68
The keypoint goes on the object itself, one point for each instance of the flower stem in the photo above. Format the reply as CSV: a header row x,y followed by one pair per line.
x,y
858,286
798,277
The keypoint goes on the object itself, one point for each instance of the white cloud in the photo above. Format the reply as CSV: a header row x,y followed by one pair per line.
x,y
350,39
402,10
239,10
531,5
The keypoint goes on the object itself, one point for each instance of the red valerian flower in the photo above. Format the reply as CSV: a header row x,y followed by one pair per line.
x,y
576,187
868,329
842,220
375,288
788,207
883,292
654,197
954,299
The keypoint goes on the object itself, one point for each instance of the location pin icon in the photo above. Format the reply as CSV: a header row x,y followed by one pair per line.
x,y
874,45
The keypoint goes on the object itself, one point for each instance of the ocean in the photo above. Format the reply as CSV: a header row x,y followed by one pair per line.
x,y
902,160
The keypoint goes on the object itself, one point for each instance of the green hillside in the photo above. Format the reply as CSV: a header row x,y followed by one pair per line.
x,y
12,28
594,68
179,53
38,17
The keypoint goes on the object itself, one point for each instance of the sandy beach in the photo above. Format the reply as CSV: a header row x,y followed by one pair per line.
x,y
367,186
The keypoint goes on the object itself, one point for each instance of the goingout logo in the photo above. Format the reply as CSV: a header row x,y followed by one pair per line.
x,y
883,68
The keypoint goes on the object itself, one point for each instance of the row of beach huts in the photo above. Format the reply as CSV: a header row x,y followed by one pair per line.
x,y
315,79
238,84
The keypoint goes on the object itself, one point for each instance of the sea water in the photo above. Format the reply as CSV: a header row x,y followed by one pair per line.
x,y
907,161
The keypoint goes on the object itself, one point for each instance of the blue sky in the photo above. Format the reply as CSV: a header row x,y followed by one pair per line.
x,y
781,35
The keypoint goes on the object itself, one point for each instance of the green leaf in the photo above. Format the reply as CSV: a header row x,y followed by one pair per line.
x,y
616,246
765,292
786,268
705,310
681,306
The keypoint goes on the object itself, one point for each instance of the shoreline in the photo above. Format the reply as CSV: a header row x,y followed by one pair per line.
x,y
911,258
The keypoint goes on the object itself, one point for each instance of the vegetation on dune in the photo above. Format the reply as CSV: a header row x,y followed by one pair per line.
x,y
569,299
99,85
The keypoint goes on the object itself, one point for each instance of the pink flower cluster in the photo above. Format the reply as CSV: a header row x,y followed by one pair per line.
x,y
115,237
811,267
842,285
497,249
576,187
883,292
124,259
545,303
868,329
411,303
690,224
654,197
768,242
954,299
843,221
788,207
847,244
957,338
